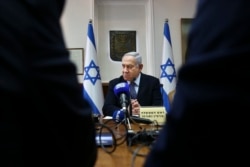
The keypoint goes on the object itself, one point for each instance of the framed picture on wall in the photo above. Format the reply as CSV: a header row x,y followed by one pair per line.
x,y
76,55
121,42
185,26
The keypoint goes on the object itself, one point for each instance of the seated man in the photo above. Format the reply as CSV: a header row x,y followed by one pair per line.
x,y
148,88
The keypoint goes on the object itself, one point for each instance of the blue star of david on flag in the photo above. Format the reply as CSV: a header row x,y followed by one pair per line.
x,y
168,70
92,72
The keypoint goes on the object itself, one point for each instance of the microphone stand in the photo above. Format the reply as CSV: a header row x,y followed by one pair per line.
x,y
125,103
126,117
131,134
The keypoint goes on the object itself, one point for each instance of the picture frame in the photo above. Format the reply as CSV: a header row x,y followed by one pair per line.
x,y
185,27
76,56
121,42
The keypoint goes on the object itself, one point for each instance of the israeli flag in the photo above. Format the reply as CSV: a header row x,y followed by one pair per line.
x,y
168,72
92,85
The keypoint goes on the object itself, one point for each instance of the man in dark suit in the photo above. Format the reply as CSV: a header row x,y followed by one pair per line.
x,y
148,88
209,123
44,120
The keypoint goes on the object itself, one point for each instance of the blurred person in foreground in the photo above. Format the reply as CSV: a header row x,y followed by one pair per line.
x,y
44,120
147,87
208,123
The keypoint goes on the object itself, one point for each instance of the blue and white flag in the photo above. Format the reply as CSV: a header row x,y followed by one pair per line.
x,y
92,85
168,72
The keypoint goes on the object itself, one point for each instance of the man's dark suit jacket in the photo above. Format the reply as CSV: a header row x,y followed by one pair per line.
x,y
149,94
44,120
209,123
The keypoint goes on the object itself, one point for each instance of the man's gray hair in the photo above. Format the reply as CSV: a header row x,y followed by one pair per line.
x,y
136,55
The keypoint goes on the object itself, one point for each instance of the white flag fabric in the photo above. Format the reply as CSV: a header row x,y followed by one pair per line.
x,y
92,85
168,72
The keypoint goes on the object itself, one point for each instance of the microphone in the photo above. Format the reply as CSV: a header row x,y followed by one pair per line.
x,y
118,115
121,90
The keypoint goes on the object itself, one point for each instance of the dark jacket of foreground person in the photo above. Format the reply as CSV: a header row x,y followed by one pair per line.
x,y
44,120
208,124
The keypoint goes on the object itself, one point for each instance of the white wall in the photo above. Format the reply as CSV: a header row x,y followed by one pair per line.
x,y
145,16
125,16
75,18
174,10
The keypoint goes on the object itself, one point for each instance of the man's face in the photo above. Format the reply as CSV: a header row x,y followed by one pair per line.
x,y
130,69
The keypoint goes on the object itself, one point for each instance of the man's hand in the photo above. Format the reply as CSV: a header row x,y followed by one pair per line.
x,y
135,107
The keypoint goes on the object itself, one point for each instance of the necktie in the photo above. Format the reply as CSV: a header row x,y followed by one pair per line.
x,y
133,93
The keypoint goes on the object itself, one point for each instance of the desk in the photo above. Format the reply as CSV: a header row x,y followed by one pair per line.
x,y
121,157
124,156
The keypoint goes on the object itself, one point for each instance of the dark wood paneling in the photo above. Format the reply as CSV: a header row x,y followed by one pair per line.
x,y
105,88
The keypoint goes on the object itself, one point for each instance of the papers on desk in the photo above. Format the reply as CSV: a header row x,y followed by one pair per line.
x,y
107,117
